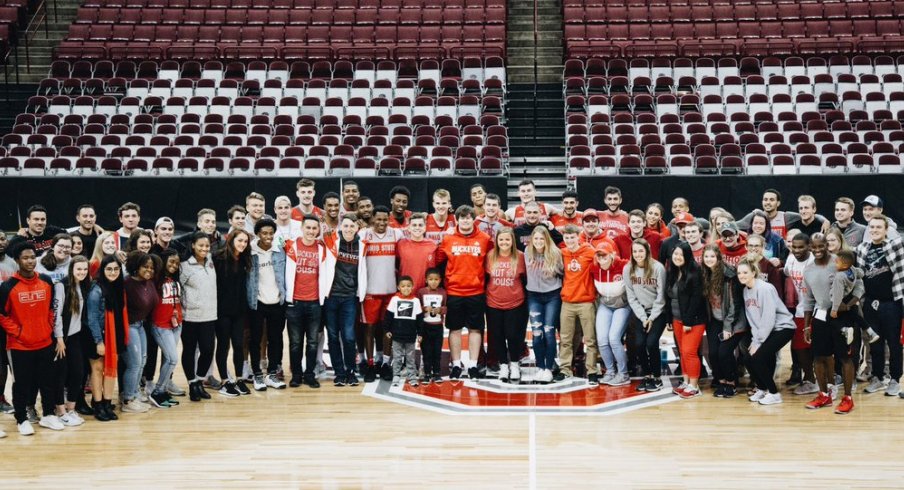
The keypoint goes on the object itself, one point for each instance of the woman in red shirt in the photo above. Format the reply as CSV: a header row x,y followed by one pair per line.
x,y
167,321
654,221
506,307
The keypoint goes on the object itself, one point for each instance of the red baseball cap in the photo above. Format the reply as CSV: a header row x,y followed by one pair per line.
x,y
684,218
590,213
605,248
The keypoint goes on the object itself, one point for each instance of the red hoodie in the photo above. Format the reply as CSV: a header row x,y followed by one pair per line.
x,y
27,312
577,286
465,256
624,241
733,256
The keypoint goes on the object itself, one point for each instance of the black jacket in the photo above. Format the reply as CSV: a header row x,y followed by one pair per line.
x,y
523,232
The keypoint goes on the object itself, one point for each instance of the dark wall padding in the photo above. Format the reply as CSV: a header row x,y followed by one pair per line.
x,y
181,198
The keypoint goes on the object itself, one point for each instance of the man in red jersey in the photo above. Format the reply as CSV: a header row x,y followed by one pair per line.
x,y
527,192
493,219
613,219
478,198
399,197
440,223
464,253
416,254
305,192
570,214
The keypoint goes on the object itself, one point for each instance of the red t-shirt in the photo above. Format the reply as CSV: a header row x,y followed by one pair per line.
x,y
394,223
560,221
415,258
307,272
505,290
613,224
170,305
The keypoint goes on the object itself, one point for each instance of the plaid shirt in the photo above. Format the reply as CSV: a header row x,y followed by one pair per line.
x,y
894,255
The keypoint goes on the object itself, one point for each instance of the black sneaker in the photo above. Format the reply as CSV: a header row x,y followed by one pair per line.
x,y
159,400
644,385
438,378
456,373
370,374
339,381
655,384
170,400
593,379
719,392
312,382
229,390
386,372
295,382
559,376
242,387
351,379
473,373
729,391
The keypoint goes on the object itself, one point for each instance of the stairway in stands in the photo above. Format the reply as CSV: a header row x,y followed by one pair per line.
x,y
535,108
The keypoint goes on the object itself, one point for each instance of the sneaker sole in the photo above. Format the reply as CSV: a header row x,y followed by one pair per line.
x,y
228,395
839,412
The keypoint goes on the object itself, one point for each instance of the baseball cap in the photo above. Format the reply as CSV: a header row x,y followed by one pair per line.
x,y
590,213
729,228
605,248
684,218
163,219
874,201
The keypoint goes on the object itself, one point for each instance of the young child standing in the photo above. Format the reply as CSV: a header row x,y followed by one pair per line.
x,y
402,324
433,302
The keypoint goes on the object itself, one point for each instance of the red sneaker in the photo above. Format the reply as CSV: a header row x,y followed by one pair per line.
x,y
845,407
821,400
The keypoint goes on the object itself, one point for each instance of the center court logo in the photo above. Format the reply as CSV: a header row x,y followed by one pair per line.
x,y
491,396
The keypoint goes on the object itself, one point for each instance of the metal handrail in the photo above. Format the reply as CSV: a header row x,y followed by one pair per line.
x,y
536,67
39,17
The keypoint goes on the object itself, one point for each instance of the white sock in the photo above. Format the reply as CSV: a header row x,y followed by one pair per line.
x,y
456,363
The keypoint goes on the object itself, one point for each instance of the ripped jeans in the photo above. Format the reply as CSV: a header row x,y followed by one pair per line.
x,y
543,310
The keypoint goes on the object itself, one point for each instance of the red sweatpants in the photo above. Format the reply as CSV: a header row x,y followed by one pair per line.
x,y
689,345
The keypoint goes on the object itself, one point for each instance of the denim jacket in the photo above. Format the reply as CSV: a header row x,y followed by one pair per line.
x,y
279,269
95,307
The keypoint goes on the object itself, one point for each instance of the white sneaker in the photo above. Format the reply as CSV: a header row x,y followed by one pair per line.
x,y
503,371
544,376
894,388
272,381
2,434
771,399
320,370
872,336
246,370
515,371
806,388
51,422
71,419
134,406
757,396
875,385
26,429
833,391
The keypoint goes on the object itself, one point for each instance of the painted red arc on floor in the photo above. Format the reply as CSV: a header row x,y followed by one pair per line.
x,y
466,395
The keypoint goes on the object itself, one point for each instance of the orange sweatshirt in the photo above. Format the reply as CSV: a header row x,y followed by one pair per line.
x,y
27,312
577,286
465,256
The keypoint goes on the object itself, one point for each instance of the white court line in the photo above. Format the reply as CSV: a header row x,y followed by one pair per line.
x,y
532,451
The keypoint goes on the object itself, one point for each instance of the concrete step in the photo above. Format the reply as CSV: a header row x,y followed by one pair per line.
x,y
542,12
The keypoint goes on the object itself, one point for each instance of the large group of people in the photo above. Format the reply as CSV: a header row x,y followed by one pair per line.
x,y
85,310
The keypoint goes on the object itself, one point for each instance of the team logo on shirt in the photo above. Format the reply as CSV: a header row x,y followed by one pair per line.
x,y
574,266
28,297
473,250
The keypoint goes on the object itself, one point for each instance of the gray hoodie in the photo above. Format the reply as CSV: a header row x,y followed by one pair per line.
x,y
199,290
844,284
818,284
765,312
645,296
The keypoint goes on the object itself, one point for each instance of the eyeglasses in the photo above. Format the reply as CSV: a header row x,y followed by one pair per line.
x,y
111,269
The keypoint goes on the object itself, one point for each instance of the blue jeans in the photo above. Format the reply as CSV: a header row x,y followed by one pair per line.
x,y
303,319
611,324
168,340
543,312
340,313
135,355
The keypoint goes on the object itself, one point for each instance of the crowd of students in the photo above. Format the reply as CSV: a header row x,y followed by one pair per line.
x,y
596,288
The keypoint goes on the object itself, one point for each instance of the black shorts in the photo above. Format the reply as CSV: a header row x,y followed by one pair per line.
x,y
90,348
828,340
466,311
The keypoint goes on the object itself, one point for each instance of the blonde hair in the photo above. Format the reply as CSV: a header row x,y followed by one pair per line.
x,y
280,199
98,254
442,194
550,258
494,255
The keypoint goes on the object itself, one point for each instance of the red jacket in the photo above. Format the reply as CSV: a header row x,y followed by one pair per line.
x,y
733,256
465,256
27,312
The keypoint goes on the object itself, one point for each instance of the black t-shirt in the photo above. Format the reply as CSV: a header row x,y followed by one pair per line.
x,y
877,276
89,240
42,241
815,226
345,282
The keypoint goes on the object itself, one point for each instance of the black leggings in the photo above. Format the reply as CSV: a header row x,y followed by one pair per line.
x,y
725,357
32,372
230,328
197,335
275,318
762,362
647,345
150,365
432,348
506,330
70,370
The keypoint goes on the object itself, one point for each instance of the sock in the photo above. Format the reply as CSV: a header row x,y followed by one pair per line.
x,y
386,360
378,357
456,363
471,364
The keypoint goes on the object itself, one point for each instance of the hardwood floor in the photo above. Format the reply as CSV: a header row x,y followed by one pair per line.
x,y
339,438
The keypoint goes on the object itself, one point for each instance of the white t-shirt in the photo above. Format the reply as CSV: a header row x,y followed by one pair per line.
x,y
267,290
794,269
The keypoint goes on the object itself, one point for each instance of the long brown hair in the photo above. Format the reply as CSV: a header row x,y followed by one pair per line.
x,y
49,260
73,287
713,278
493,256
647,265
234,261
